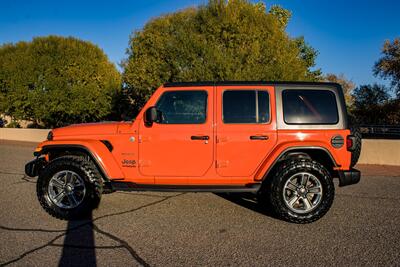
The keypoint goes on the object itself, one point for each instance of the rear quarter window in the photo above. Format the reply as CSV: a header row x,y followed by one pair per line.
x,y
309,107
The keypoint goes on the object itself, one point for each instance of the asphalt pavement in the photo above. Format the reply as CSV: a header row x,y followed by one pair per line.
x,y
197,229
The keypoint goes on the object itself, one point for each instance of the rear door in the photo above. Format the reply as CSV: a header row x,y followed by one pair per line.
x,y
246,129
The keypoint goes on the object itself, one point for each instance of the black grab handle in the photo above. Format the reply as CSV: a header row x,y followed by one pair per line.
x,y
258,137
200,137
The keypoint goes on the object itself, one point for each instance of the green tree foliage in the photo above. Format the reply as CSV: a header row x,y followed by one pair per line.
x,y
392,112
372,105
223,40
55,81
282,15
370,95
308,54
388,66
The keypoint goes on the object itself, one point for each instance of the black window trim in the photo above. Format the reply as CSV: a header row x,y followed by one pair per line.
x,y
248,89
310,89
188,90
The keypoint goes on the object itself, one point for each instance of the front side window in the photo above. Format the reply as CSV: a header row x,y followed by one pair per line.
x,y
309,107
245,106
182,107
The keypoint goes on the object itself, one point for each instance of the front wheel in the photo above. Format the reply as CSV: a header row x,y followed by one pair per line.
x,y
69,187
301,191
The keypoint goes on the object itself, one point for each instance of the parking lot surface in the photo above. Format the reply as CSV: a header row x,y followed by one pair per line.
x,y
197,229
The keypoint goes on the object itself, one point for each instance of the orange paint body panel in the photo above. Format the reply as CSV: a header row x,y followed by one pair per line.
x,y
170,154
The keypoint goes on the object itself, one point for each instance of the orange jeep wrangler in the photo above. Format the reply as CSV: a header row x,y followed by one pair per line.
x,y
284,141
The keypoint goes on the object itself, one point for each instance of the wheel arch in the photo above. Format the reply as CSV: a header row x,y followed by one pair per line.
x,y
317,153
100,156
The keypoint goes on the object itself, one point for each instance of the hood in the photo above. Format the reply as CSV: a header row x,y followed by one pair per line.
x,y
99,128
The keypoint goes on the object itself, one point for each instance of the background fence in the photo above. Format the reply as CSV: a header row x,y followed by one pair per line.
x,y
380,131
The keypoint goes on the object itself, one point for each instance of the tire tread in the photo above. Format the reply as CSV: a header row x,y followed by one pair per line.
x,y
283,171
91,173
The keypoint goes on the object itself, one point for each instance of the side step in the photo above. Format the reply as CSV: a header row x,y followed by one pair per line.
x,y
129,186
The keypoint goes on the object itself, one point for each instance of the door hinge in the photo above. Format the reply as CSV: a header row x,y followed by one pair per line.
x,y
144,163
221,163
142,138
221,139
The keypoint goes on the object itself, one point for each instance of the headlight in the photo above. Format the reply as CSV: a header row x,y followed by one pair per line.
x,y
50,136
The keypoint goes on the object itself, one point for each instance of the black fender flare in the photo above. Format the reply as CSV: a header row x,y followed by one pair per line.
x,y
299,151
76,148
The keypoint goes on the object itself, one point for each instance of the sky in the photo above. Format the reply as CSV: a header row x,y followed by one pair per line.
x,y
348,34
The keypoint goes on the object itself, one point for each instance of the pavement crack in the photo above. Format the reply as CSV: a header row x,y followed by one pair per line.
x,y
124,244
41,230
136,209
85,247
6,228
23,255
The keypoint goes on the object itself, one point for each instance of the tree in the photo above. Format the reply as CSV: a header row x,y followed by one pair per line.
x,y
56,81
370,104
222,40
347,85
13,99
388,66
392,112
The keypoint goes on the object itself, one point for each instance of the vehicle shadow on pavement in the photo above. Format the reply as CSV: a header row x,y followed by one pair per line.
x,y
249,201
79,244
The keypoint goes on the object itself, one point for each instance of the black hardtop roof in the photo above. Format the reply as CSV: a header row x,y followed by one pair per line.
x,y
233,83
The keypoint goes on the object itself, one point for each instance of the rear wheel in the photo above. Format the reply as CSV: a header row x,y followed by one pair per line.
x,y
69,187
355,154
301,191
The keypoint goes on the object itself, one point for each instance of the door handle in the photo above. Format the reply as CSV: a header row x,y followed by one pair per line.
x,y
200,137
258,137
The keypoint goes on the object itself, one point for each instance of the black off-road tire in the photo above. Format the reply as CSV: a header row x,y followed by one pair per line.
x,y
283,173
355,154
93,183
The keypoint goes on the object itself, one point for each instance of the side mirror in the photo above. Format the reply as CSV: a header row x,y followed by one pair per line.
x,y
150,116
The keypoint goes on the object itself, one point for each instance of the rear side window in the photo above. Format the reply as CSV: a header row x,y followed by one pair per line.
x,y
245,106
309,107
183,107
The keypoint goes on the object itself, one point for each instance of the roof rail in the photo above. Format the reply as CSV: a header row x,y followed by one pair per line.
x,y
211,83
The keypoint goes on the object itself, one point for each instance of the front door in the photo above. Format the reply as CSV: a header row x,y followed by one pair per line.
x,y
180,144
246,129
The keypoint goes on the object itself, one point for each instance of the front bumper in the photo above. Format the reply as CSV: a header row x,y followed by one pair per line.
x,y
349,177
34,167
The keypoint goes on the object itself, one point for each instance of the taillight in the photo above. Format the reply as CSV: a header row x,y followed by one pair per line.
x,y
349,142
